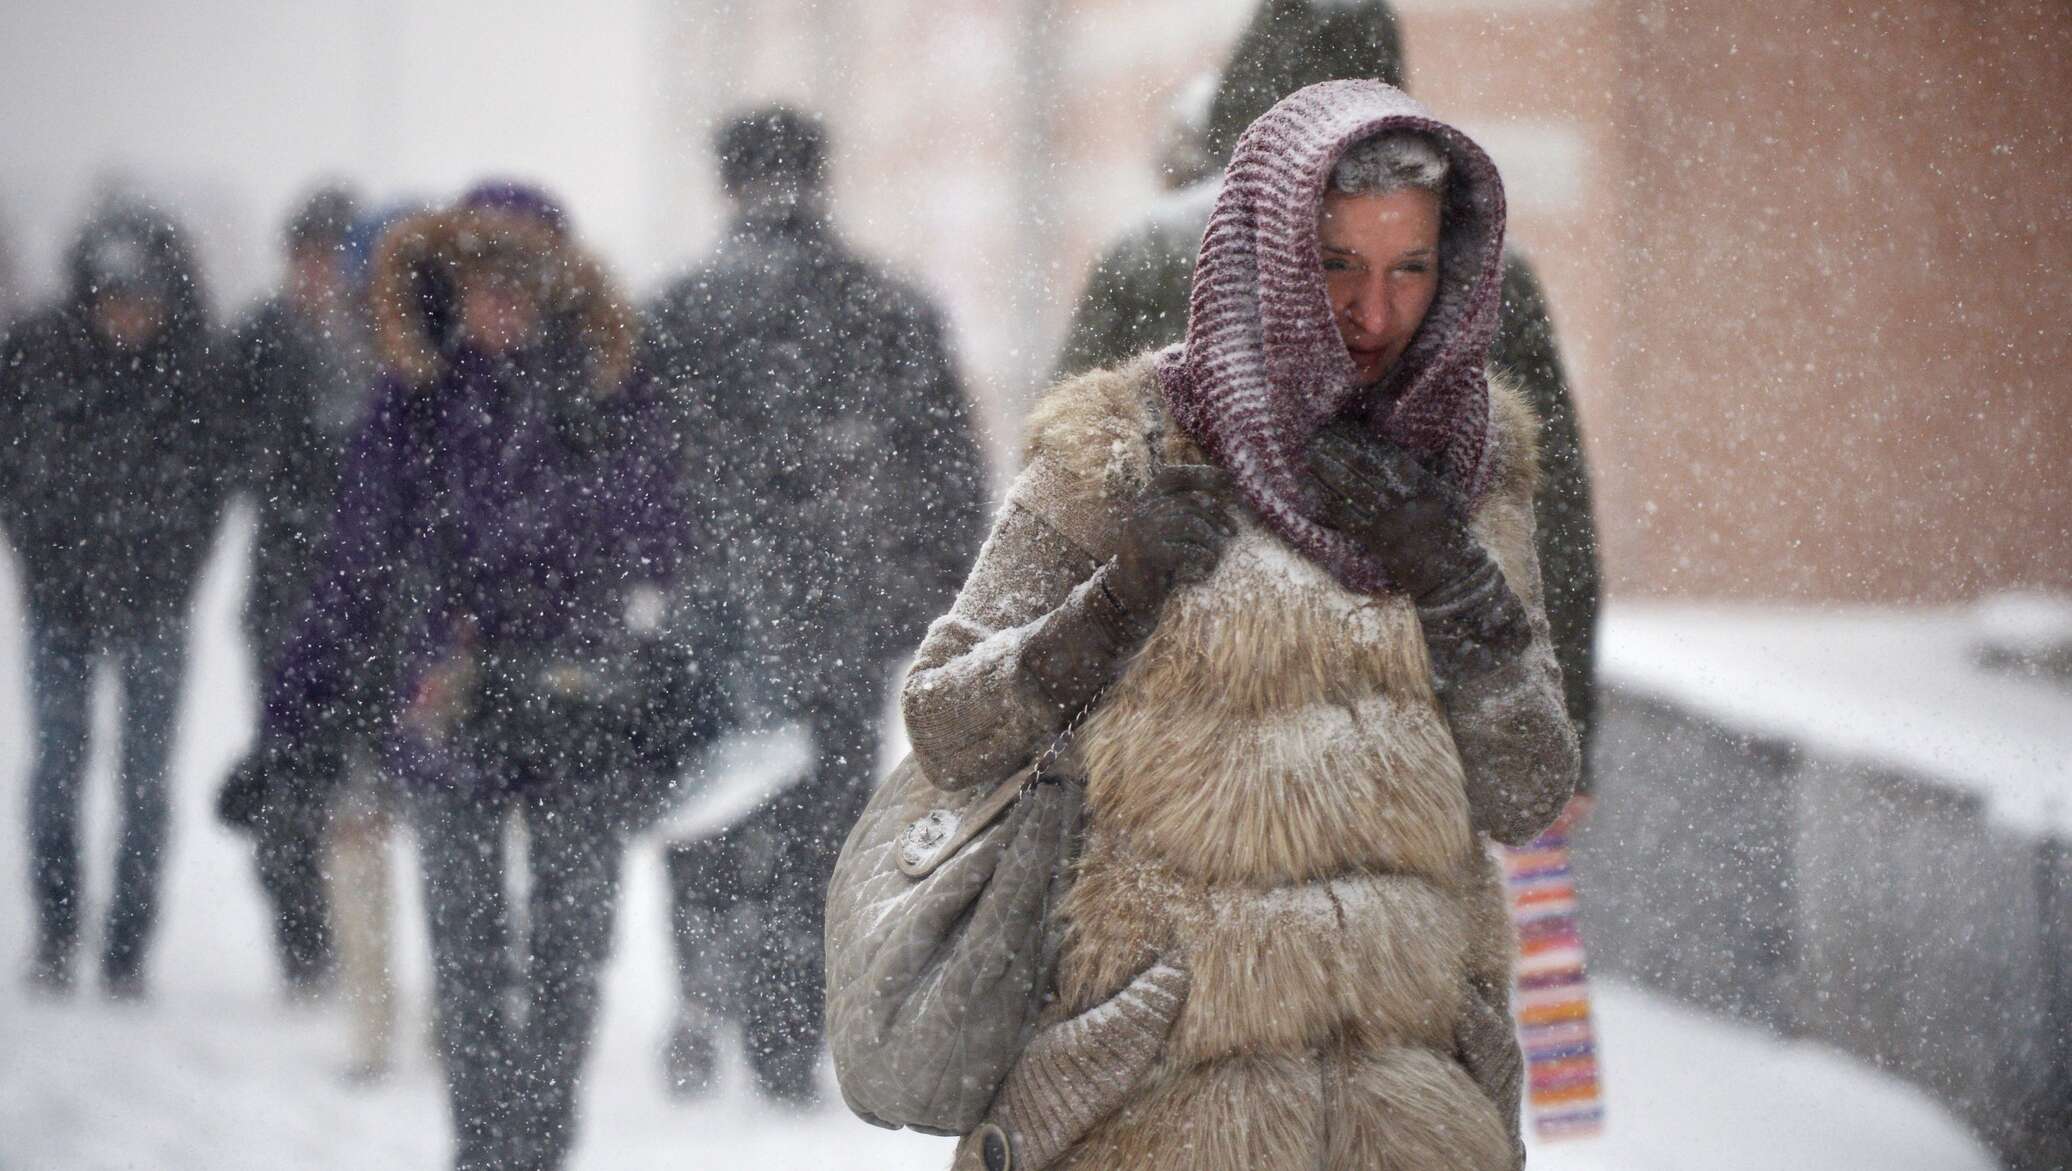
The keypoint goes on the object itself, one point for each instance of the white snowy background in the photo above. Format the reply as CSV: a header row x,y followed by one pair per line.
x,y
215,1072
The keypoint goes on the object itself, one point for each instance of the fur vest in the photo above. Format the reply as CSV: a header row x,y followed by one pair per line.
x,y
1275,799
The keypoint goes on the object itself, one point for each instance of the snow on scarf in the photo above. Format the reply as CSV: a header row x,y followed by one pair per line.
x,y
1263,368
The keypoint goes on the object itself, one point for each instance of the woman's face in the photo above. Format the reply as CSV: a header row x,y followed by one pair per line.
x,y
498,316
1381,268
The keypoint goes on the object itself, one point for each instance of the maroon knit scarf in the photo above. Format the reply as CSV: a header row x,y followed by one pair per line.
x,y
1263,369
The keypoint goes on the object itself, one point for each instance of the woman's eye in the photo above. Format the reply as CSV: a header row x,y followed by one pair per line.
x,y
1333,264
1415,267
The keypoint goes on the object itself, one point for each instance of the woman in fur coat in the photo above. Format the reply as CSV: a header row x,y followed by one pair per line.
x,y
1288,565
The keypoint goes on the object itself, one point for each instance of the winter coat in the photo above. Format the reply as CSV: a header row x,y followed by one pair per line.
x,y
1278,801
112,459
495,507
1136,298
830,435
1526,349
302,392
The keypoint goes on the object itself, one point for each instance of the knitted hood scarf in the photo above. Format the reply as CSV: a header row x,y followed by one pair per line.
x,y
1263,368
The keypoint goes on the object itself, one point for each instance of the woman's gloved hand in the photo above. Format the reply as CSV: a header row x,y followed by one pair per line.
x,y
1077,1072
449,691
1378,494
1174,538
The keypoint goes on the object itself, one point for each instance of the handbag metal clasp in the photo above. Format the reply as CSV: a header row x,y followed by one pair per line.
x,y
936,836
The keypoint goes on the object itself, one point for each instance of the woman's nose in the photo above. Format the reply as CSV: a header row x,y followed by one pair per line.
x,y
1370,309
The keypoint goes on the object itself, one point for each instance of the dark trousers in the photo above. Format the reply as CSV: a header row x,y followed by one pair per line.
x,y
513,1063
289,852
148,662
751,900
288,840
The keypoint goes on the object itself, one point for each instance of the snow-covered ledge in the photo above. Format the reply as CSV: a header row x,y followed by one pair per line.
x,y
1907,689
1851,825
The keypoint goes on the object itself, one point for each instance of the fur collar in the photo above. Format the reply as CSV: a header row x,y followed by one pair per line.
x,y
425,260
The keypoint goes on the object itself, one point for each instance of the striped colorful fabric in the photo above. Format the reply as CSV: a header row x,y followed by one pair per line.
x,y
1552,991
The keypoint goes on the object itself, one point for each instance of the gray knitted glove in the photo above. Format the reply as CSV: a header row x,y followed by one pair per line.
x,y
1174,537
1081,645
1377,493
1076,1073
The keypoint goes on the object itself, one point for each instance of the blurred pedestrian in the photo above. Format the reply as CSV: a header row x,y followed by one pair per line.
x,y
304,369
1183,146
1136,298
114,427
1285,574
10,279
362,817
834,445
509,522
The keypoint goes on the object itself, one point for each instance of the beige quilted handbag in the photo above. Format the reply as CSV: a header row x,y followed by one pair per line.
x,y
937,953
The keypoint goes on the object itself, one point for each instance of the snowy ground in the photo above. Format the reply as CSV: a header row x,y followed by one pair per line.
x,y
214,1072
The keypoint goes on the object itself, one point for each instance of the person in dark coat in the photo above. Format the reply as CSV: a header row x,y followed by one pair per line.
x,y
304,366
112,438
508,521
1136,298
835,448
10,279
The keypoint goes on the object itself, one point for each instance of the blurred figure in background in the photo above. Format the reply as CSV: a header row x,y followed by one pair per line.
x,y
306,360
1183,147
362,816
113,436
508,520
10,278
835,451
1137,297
304,367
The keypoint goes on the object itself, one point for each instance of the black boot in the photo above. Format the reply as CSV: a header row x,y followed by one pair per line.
x,y
50,973
690,1059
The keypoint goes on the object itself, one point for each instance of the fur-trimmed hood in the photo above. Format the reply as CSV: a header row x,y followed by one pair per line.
x,y
424,262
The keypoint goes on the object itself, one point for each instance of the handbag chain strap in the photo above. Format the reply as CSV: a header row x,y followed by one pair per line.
x,y
1041,774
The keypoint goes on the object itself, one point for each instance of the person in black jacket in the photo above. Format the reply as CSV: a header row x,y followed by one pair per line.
x,y
303,365
835,454
114,435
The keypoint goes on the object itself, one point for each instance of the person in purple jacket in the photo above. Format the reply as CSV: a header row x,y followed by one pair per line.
x,y
491,614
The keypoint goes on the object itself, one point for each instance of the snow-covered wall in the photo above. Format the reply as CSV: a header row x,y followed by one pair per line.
x,y
1842,826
